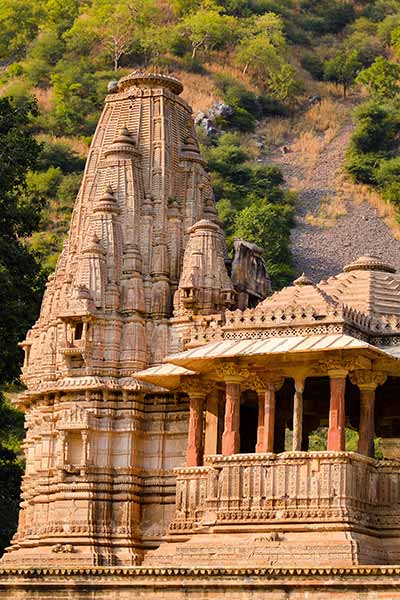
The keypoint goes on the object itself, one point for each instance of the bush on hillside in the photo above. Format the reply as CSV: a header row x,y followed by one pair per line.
x,y
252,203
313,64
58,154
268,225
370,158
382,79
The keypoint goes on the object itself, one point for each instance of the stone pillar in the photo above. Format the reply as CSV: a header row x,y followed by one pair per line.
x,y
298,413
269,419
336,431
367,381
367,421
211,437
231,435
194,454
260,423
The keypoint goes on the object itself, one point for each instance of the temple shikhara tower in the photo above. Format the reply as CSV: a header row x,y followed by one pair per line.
x,y
172,400
145,258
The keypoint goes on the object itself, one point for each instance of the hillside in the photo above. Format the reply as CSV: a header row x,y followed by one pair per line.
x,y
262,58
336,220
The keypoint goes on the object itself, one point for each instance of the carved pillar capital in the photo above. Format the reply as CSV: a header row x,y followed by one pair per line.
x,y
266,381
231,372
196,386
368,380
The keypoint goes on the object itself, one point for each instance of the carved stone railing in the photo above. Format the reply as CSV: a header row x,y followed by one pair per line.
x,y
296,487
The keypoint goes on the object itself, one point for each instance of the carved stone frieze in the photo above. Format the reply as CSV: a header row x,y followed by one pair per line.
x,y
194,385
232,372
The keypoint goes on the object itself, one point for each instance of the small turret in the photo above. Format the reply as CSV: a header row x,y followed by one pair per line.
x,y
204,286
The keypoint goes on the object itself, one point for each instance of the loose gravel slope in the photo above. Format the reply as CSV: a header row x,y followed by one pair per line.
x,y
323,251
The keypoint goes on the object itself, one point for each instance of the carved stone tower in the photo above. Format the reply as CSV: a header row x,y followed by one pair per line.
x,y
100,446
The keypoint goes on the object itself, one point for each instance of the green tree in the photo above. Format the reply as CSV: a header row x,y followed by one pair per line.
x,y
395,40
283,84
252,203
20,283
208,28
342,69
19,23
268,225
382,79
44,53
262,45
75,97
115,28
61,14
11,469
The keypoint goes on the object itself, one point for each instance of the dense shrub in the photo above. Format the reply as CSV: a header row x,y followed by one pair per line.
x,y
371,157
252,203
313,64
57,154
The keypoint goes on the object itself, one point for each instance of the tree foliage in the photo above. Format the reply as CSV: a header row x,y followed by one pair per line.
x,y
19,217
252,204
11,469
20,287
208,28
382,79
342,69
115,29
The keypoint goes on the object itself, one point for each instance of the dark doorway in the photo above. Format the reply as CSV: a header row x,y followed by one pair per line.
x,y
248,428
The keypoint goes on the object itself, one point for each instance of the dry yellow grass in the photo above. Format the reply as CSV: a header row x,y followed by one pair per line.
x,y
76,144
199,90
308,143
44,97
310,131
363,193
329,210
277,131
328,115
223,67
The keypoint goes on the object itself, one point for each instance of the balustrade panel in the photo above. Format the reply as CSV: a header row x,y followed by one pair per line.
x,y
290,487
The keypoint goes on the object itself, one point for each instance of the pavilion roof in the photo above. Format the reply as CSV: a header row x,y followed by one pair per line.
x,y
201,358
302,293
166,375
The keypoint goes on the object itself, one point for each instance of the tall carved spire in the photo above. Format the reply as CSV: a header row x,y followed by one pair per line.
x,y
106,313
144,185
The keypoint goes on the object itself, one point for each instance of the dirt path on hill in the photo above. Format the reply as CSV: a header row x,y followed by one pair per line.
x,y
323,251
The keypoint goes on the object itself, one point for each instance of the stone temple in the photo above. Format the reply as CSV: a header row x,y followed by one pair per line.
x,y
172,399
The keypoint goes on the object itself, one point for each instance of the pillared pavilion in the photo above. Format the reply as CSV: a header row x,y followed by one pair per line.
x,y
309,357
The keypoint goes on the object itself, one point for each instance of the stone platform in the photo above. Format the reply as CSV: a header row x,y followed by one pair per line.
x,y
295,509
357,583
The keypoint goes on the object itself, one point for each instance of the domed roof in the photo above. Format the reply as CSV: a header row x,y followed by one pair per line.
x,y
369,263
147,80
368,285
